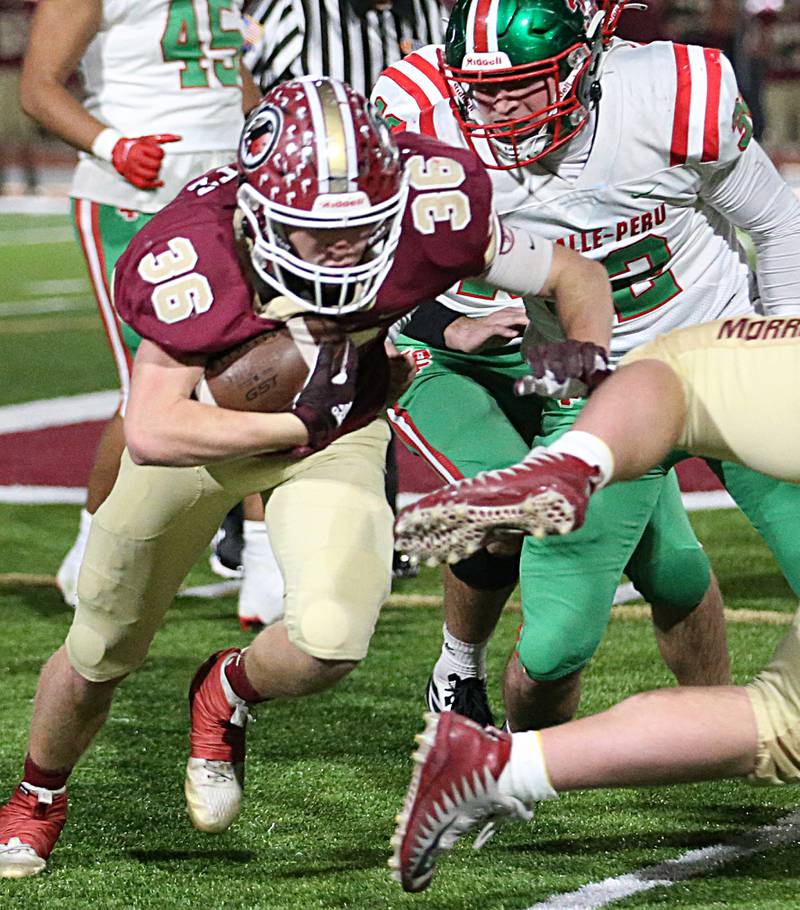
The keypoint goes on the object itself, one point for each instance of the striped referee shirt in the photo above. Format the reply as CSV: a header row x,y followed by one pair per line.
x,y
289,38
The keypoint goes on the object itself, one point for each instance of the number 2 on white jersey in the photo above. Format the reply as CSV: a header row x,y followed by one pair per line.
x,y
180,291
640,281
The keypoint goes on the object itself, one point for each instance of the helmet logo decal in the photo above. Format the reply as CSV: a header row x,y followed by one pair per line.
x,y
259,137
357,200
495,61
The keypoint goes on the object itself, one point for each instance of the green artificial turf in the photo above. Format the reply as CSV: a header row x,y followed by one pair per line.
x,y
51,339
327,774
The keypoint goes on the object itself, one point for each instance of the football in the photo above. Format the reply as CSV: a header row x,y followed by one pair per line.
x,y
265,373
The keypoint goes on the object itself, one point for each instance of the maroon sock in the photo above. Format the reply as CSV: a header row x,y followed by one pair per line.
x,y
43,777
241,685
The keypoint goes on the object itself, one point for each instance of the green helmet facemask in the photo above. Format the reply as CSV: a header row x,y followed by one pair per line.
x,y
520,73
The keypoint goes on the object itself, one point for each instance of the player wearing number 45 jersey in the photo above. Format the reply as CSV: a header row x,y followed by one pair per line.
x,y
164,93
642,158
325,218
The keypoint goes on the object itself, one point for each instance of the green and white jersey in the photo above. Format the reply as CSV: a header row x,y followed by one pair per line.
x,y
669,172
163,66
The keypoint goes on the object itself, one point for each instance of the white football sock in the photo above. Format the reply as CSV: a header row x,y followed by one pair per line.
x,y
45,796
69,570
588,448
83,528
461,657
261,594
525,776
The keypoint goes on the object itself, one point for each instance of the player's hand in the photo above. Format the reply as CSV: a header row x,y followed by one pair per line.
x,y
564,369
402,370
139,159
327,396
471,334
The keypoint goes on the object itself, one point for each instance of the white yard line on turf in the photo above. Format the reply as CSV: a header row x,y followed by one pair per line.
x,y
20,494
217,589
57,286
693,864
39,495
58,412
34,205
55,412
38,305
37,236
703,500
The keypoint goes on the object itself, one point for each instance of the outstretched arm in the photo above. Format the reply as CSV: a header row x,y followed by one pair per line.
x,y
582,292
753,196
529,266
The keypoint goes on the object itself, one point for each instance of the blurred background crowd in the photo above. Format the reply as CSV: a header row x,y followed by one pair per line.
x,y
761,38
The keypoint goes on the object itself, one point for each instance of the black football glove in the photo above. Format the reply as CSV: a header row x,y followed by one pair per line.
x,y
563,369
327,396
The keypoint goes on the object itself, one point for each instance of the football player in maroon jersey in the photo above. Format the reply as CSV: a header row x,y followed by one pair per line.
x,y
325,214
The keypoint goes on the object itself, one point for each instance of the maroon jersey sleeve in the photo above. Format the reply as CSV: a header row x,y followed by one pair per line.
x,y
180,283
445,237
447,221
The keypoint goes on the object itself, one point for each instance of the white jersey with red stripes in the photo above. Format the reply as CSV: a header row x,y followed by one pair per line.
x,y
657,197
156,66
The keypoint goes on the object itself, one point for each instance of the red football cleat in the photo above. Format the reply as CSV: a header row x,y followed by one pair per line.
x,y
542,495
215,773
453,789
30,824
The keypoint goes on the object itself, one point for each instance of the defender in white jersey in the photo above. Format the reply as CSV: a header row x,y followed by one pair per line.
x,y
164,99
640,157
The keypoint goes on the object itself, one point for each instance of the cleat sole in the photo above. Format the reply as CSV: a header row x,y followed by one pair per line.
x,y
19,860
437,536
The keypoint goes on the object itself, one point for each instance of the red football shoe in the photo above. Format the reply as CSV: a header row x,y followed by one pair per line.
x,y
542,495
215,772
30,824
453,789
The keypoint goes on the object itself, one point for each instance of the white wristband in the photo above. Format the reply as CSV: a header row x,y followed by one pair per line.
x,y
104,143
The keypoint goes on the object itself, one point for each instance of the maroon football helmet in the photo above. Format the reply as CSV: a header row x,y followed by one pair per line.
x,y
314,155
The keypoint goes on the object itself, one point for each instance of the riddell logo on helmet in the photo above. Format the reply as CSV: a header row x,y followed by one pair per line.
x,y
496,61
337,201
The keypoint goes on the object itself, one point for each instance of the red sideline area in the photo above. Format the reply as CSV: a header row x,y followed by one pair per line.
x,y
62,456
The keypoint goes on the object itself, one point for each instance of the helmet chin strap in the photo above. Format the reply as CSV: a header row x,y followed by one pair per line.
x,y
523,148
589,90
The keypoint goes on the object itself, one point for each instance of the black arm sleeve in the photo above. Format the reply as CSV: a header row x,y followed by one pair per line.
x,y
429,321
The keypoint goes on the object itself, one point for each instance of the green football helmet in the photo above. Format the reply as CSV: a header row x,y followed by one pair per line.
x,y
552,47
